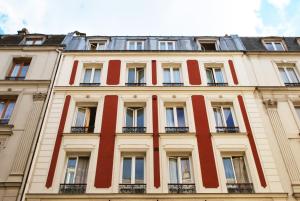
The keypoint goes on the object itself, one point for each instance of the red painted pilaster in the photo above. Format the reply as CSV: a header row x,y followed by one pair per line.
x,y
113,73
73,73
232,70
154,72
194,72
155,142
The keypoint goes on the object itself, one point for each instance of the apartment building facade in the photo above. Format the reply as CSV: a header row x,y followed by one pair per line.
x,y
163,118
27,67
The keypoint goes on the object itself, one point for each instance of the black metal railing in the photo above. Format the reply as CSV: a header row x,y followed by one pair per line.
x,y
134,129
182,188
132,188
292,84
15,78
87,84
135,84
77,129
240,188
173,84
4,121
217,84
72,188
224,129
177,129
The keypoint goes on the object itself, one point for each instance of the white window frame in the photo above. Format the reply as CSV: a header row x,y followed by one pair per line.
x,y
287,74
134,115
34,39
172,74
179,168
246,165
92,74
274,46
75,169
216,42
166,44
175,115
133,158
214,73
135,44
98,42
223,115
136,74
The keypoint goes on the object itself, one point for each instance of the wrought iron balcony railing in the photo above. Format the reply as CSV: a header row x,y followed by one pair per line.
x,y
132,188
72,188
173,84
4,121
292,84
224,129
134,129
177,129
182,188
15,78
217,84
135,84
87,84
77,129
240,188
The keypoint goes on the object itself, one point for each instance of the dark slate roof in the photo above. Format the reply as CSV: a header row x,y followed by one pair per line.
x,y
255,43
15,40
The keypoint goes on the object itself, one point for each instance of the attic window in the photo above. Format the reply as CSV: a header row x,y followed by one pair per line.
x,y
274,45
97,44
208,45
34,41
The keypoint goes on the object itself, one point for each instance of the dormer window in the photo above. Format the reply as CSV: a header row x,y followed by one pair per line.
x,y
135,45
97,44
34,41
208,44
274,45
166,45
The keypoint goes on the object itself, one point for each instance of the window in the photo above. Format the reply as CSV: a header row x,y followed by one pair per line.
x,y
274,46
85,120
97,44
289,76
136,77
33,41
236,175
76,175
224,119
91,76
208,45
134,120
166,45
19,69
172,76
135,45
215,77
6,109
176,121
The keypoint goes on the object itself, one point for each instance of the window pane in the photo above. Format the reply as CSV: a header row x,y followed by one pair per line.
x,y
170,46
269,46
219,75
97,74
80,117
131,75
139,170
82,170
131,45
101,46
210,75
9,110
228,117
15,70
228,170
140,117
139,45
240,169
170,117
176,75
38,42
167,75
173,171
126,177
162,45
292,75
70,173
29,42
129,117
87,76
298,111
24,71
180,117
218,117
185,170
2,106
284,75
279,47
140,75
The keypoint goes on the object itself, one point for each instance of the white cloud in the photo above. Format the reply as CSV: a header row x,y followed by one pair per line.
x,y
280,4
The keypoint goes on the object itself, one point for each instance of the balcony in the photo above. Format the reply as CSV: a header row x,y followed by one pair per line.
x,y
77,129
225,129
135,84
87,84
217,84
132,188
72,188
182,188
14,78
134,129
177,129
292,84
172,84
240,188
4,121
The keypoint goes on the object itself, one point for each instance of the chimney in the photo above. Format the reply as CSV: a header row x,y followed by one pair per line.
x,y
23,32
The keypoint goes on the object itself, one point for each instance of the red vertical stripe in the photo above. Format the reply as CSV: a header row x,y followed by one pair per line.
x,y
154,72
252,142
113,74
58,142
73,73
155,142
194,73
232,70
205,149
107,143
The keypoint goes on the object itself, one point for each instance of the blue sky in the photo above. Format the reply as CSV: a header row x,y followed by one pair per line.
x,y
152,17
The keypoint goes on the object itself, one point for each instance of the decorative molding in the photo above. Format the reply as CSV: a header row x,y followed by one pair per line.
x,y
39,96
270,103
